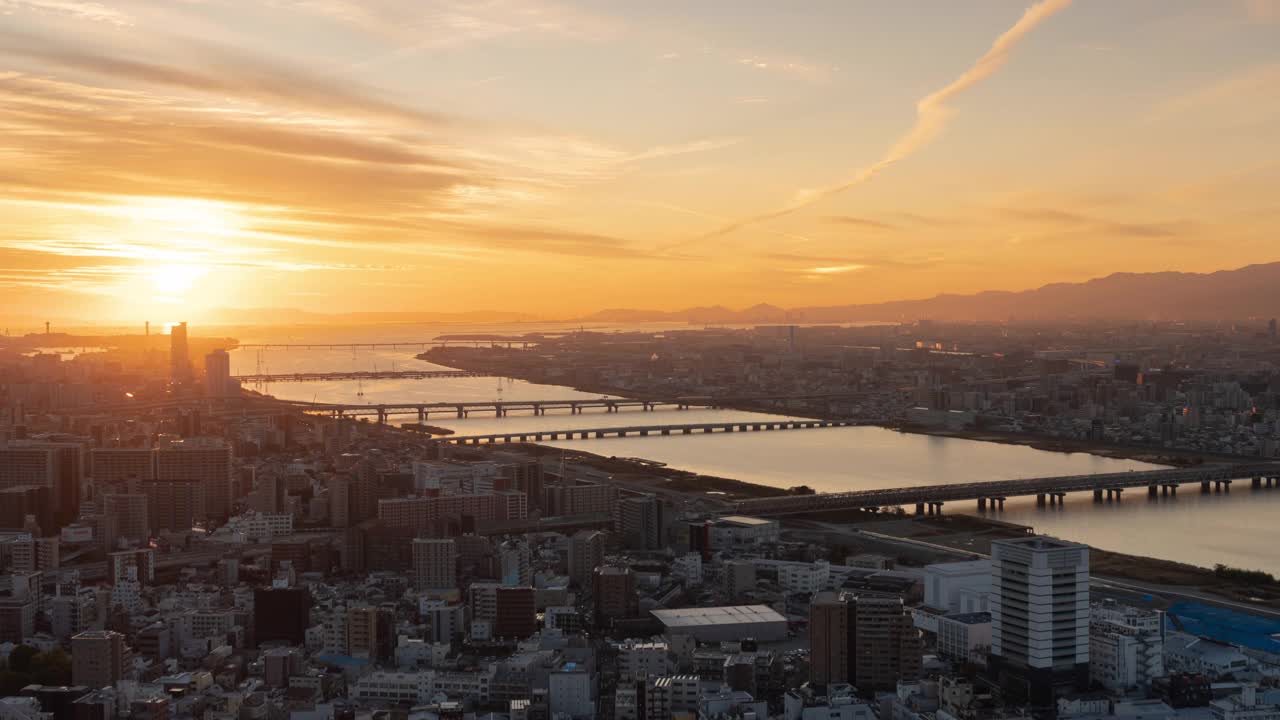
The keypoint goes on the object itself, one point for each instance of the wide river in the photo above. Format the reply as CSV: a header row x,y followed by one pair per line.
x,y
1234,528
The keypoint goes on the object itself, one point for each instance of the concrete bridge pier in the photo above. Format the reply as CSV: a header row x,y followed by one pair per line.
x,y
688,431
999,501
1097,494
937,508
1039,499
382,416
1061,496
1153,491
982,503
1204,486
919,508
462,412
422,416
1257,483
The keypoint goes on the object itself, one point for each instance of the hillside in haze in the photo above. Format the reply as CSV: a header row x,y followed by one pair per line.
x,y
1252,291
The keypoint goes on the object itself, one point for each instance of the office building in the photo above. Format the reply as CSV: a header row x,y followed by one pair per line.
x,y
866,639
339,487
435,564
828,639
98,658
281,614
1040,617
179,357
638,520
586,553
217,375
371,633
515,612
444,621
613,595
131,517
514,563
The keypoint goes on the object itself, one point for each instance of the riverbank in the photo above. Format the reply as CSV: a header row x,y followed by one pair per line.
x,y
1172,457
965,535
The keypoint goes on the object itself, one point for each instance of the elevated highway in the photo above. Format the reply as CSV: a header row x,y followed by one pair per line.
x,y
930,498
501,408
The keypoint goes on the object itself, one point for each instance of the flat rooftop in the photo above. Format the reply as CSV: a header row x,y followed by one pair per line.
x,y
727,615
744,520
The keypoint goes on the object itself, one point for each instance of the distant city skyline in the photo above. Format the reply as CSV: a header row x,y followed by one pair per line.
x,y
557,158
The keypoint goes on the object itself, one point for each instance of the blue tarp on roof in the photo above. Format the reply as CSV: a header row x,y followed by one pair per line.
x,y
1229,626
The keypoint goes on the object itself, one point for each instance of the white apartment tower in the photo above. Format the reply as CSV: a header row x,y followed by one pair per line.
x,y
1039,616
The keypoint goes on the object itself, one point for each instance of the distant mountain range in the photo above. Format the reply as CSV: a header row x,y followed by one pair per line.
x,y
1251,291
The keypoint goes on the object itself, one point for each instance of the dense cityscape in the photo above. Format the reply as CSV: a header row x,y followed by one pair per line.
x,y
178,545
661,360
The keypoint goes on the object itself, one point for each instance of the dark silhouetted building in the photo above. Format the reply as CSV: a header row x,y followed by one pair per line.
x,y
281,615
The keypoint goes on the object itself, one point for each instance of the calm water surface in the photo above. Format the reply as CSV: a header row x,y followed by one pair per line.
x,y
1236,528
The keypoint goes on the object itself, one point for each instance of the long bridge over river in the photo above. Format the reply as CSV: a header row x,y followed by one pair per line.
x,y
1050,490
359,375
645,431
502,408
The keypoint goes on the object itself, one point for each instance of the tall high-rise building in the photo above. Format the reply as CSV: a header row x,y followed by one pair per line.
x,y
613,595
435,564
67,468
867,639
1039,617
828,639
217,375
98,658
205,460
638,520
57,466
179,357
586,553
339,487
364,491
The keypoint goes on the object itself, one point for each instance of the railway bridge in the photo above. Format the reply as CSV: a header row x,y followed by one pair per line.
x,y
1048,490
646,430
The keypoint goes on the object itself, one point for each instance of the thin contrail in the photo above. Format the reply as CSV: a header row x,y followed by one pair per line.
x,y
931,115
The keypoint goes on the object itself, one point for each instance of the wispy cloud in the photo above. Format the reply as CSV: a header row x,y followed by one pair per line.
x,y
77,9
1098,225
866,223
932,114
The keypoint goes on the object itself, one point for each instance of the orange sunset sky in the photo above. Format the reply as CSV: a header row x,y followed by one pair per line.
x,y
561,157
